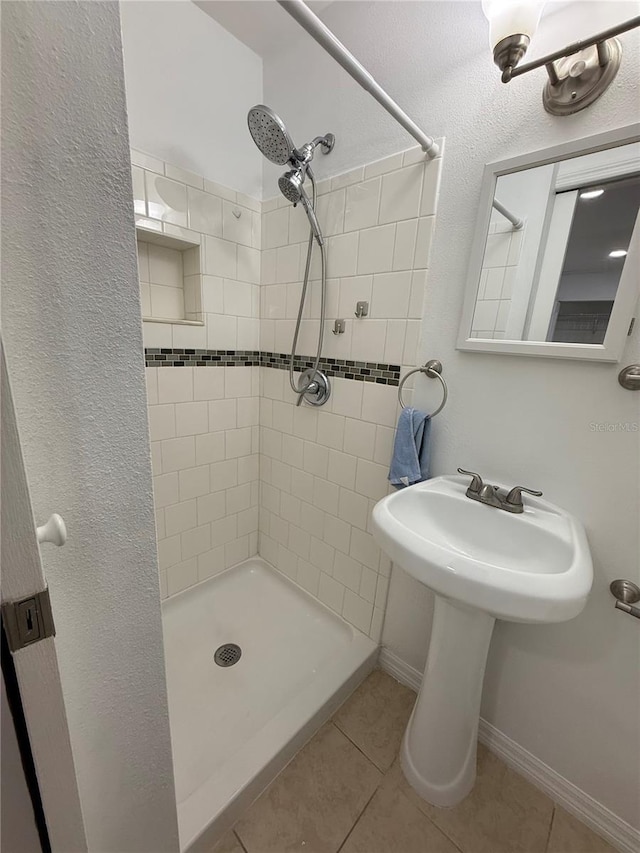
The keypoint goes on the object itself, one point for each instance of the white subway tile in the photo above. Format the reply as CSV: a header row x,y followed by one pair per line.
x,y
357,611
371,479
166,199
211,563
178,453
405,245
156,335
220,257
342,255
401,193
346,178
165,490
281,475
147,161
238,498
236,223
381,167
162,422
308,577
184,176
359,438
182,576
248,411
166,302
430,187
368,583
275,226
330,592
223,475
330,430
211,508
194,482
394,342
156,457
205,212
237,551
347,397
175,384
352,290
191,418
249,264
368,339
385,437
196,541
316,459
222,332
180,517
288,263
337,533
423,242
248,521
411,342
354,509
362,204
237,442
139,192
375,253
365,550
342,469
325,495
220,190
391,293
347,571
189,337
321,555
208,383
169,552
209,448
379,403
237,381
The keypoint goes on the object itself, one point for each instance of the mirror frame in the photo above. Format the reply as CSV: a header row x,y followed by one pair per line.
x,y
627,293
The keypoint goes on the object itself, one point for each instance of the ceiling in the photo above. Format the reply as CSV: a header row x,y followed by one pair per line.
x,y
260,24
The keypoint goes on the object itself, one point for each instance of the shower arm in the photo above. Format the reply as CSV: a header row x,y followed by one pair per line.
x,y
326,39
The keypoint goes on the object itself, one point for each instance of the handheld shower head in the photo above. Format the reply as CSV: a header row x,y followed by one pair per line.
x,y
291,187
270,134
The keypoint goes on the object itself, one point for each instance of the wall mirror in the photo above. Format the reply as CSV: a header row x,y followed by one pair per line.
x,y
555,261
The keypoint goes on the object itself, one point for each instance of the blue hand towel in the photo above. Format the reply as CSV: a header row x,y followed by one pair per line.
x,y
411,450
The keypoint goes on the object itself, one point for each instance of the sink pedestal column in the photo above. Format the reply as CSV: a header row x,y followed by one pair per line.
x,y
438,754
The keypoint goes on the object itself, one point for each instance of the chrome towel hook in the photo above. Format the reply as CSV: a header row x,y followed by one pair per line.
x,y
432,369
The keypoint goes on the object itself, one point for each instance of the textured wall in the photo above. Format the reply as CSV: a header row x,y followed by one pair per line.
x,y
73,338
568,693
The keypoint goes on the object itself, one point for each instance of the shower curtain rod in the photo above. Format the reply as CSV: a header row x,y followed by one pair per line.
x,y
513,219
326,39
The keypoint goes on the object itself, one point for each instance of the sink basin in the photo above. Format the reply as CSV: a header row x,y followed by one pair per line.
x,y
483,564
533,567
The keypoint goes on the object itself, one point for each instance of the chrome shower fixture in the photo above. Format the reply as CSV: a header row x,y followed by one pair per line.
x,y
271,136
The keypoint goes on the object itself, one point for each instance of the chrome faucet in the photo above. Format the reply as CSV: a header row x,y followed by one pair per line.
x,y
494,496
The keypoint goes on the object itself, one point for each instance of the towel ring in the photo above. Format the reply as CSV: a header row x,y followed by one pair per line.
x,y
432,369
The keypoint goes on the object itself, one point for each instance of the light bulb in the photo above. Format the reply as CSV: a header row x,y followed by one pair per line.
x,y
591,194
618,253
511,17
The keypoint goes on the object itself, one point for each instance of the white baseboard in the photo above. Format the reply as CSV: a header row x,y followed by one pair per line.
x,y
600,819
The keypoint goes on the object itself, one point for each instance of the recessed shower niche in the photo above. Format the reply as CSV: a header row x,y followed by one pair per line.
x,y
170,274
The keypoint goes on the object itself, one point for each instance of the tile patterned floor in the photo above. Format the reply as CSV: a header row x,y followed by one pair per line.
x,y
344,791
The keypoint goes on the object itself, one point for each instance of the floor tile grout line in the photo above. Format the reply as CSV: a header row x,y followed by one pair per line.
x,y
553,817
360,750
239,840
357,820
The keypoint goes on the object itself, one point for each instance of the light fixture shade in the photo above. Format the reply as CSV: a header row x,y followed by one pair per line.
x,y
511,17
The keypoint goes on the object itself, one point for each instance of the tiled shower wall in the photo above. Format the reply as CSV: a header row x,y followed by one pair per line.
x,y
203,419
322,470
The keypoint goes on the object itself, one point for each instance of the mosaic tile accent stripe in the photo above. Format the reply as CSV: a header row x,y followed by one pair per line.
x,y
360,371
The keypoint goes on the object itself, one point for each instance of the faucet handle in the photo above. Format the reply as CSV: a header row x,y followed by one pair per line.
x,y
515,495
476,483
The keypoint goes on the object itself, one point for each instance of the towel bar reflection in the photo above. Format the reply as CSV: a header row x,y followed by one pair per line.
x,y
432,369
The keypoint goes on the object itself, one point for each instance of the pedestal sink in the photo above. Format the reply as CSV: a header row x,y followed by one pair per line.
x,y
483,564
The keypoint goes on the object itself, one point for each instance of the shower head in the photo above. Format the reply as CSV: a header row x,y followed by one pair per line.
x,y
290,185
270,134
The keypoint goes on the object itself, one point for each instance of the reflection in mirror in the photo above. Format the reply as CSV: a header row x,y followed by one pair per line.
x,y
556,248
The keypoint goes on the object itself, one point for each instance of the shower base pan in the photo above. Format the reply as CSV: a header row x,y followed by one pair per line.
x,y
235,725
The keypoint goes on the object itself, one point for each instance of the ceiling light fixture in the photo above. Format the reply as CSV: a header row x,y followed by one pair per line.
x,y
578,73
587,194
618,253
